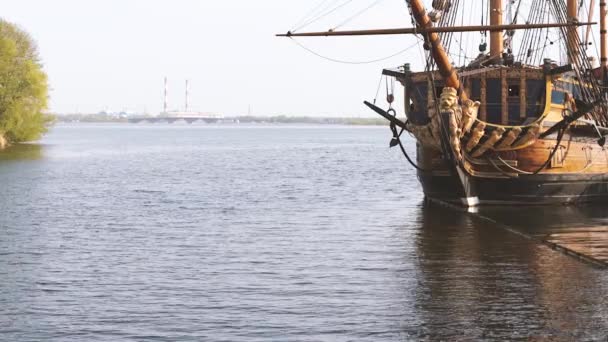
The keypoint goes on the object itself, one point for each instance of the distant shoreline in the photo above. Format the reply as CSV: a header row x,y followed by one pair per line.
x,y
279,119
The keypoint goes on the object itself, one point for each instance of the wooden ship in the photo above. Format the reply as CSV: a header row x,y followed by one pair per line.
x,y
504,128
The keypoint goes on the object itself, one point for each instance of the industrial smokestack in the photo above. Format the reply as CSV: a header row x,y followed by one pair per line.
x,y
187,95
166,97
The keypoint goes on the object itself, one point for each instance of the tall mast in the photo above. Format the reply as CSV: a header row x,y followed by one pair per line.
x,y
603,38
573,39
441,58
496,37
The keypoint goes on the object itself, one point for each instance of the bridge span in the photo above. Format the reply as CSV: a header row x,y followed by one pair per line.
x,y
186,118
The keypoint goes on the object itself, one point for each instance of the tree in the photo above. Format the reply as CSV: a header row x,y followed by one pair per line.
x,y
23,87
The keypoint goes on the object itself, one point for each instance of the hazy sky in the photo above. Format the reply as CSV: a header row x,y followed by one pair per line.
x,y
114,54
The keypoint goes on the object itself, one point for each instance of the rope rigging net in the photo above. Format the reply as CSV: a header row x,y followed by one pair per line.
x,y
326,8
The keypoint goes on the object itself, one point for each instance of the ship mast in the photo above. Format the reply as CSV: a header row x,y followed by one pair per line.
x,y
603,39
449,74
496,37
573,39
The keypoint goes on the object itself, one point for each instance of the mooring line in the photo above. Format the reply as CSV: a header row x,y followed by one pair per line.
x,y
594,262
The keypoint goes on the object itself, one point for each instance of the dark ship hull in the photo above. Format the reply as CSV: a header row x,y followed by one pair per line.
x,y
527,190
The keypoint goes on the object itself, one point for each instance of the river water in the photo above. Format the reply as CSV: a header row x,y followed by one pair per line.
x,y
267,233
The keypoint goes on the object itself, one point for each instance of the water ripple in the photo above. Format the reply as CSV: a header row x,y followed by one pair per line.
x,y
210,233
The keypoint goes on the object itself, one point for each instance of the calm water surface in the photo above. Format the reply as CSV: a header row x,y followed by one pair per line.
x,y
235,233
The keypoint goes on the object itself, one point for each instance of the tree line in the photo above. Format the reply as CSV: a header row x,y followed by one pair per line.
x,y
23,87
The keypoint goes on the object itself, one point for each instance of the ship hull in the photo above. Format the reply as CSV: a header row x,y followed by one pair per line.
x,y
523,190
579,175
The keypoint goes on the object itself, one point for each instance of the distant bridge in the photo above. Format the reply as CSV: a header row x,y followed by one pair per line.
x,y
174,118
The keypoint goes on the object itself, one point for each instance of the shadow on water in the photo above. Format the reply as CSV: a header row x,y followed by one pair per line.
x,y
22,152
479,281
582,229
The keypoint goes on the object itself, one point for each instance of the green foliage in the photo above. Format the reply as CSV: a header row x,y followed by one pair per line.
x,y
23,87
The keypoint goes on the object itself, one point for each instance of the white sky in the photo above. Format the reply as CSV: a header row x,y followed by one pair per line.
x,y
115,53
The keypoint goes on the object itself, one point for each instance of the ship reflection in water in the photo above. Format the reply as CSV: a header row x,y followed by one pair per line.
x,y
478,280
582,229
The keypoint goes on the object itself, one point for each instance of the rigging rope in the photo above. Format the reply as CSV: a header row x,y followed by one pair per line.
x,y
321,16
516,15
310,14
354,62
587,12
351,18
379,86
407,156
587,85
